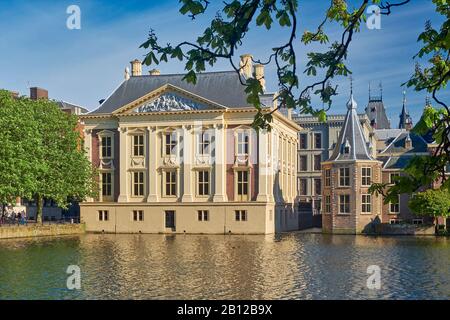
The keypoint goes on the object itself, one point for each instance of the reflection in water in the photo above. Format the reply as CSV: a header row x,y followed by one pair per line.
x,y
287,266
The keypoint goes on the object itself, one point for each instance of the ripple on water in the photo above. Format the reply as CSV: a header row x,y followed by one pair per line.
x,y
287,266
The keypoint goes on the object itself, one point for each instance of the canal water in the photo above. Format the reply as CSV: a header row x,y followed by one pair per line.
x,y
285,266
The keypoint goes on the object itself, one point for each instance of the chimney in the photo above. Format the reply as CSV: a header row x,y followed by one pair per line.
x,y
136,68
245,66
38,93
155,72
259,75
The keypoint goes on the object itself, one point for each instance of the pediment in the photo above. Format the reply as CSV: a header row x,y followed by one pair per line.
x,y
169,99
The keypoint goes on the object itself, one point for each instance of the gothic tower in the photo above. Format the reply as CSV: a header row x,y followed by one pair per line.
x,y
405,118
348,207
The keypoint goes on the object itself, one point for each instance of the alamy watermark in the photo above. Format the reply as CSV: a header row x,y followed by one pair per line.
x,y
73,22
74,280
374,17
374,280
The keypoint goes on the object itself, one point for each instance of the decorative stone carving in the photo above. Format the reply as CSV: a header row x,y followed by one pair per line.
x,y
106,164
203,160
138,162
170,102
170,161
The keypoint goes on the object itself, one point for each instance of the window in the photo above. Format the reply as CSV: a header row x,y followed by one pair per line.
x,y
303,187
170,143
106,147
366,176
317,162
417,221
138,145
241,215
303,141
138,215
138,184
171,183
393,177
328,178
203,183
366,203
344,177
203,215
204,142
103,215
317,140
318,187
394,207
242,185
327,204
394,221
170,219
344,203
346,147
106,184
303,163
243,143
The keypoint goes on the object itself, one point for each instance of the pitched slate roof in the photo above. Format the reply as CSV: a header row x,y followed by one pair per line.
x,y
223,88
398,145
351,137
377,114
397,162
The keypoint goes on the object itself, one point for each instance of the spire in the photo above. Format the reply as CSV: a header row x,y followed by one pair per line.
x,y
351,144
381,90
351,104
405,119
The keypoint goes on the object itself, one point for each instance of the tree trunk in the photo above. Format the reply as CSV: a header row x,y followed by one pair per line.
x,y
39,203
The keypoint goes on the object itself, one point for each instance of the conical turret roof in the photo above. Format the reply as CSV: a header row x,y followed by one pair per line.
x,y
351,144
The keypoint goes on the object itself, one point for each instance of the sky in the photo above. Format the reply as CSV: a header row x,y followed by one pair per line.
x,y
84,66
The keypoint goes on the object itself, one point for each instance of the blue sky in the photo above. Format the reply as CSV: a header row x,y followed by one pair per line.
x,y
84,66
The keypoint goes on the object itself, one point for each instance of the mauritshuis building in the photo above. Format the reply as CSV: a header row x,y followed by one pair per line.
x,y
174,157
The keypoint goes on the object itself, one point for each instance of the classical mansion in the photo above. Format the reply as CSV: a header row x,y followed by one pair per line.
x,y
174,157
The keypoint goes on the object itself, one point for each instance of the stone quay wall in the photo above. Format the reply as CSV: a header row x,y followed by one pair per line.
x,y
35,230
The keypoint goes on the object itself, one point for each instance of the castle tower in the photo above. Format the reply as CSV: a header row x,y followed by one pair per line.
x,y
405,118
347,205
376,111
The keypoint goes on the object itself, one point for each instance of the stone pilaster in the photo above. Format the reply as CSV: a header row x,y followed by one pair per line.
x,y
152,165
187,163
88,150
123,170
220,141
264,194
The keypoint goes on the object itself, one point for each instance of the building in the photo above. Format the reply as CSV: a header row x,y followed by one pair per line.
x,y
317,141
355,164
175,157
348,207
376,111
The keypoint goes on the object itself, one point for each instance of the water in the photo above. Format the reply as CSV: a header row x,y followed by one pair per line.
x,y
287,266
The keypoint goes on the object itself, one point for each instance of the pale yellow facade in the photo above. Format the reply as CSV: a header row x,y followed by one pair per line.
x,y
156,167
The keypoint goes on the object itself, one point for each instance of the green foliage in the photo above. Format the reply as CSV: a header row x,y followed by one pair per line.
x,y
41,154
226,33
434,203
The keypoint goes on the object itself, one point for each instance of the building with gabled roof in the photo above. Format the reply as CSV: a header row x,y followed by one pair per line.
x,y
175,157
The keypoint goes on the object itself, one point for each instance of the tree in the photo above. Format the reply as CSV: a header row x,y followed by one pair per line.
x,y
40,153
434,203
17,143
64,171
227,31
